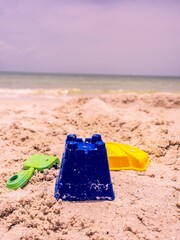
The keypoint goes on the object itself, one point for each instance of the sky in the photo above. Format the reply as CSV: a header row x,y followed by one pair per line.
x,y
126,37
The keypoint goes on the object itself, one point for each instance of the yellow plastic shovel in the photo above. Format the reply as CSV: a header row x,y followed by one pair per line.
x,y
126,157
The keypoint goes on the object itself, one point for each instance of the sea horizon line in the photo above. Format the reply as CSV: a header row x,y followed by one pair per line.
x,y
87,74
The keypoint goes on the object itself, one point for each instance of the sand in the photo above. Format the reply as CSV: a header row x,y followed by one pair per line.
x,y
147,204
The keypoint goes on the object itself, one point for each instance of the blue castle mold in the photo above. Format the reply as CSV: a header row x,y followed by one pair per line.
x,y
84,173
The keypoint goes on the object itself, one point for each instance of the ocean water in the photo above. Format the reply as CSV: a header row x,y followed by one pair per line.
x,y
58,84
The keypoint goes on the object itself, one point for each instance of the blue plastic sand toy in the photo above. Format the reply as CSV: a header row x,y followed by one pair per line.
x,y
84,173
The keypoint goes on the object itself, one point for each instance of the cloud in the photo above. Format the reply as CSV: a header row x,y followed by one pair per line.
x,y
8,50
5,48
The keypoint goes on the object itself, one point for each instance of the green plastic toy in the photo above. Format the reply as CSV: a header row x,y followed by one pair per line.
x,y
20,179
40,162
34,162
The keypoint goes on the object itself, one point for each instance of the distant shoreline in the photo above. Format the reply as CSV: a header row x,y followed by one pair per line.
x,y
60,94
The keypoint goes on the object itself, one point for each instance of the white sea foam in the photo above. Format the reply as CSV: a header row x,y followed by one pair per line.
x,y
47,93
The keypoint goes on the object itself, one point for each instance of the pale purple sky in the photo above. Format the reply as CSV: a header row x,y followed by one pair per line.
x,y
88,36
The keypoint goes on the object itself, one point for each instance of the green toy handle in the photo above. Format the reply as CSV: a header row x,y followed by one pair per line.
x,y
20,179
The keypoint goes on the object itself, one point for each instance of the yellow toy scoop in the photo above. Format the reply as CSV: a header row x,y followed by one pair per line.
x,y
126,157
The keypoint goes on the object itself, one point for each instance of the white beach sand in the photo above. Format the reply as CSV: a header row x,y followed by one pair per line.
x,y
146,204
